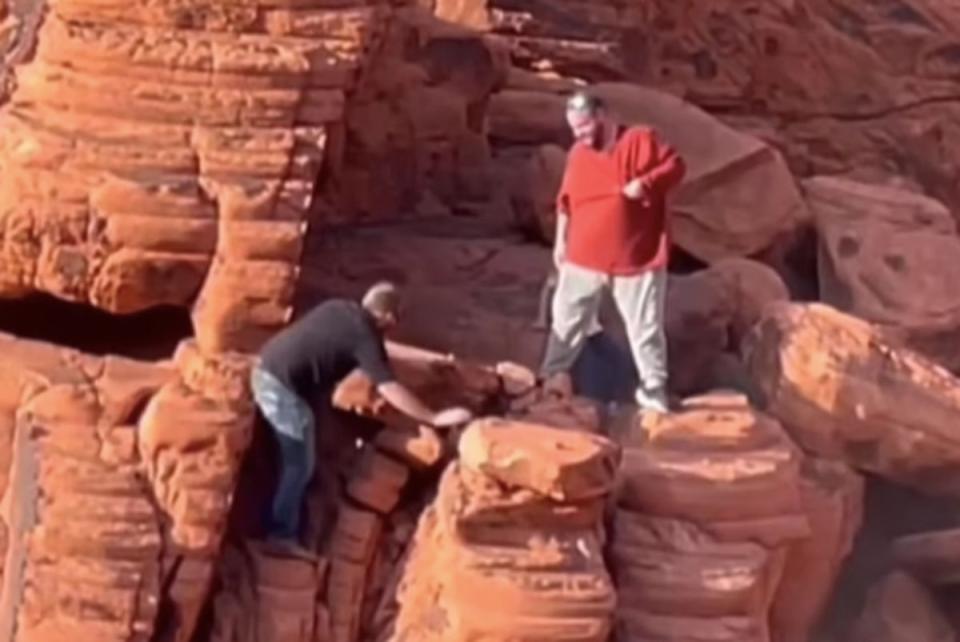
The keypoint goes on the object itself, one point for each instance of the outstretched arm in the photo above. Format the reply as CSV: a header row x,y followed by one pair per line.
x,y
401,398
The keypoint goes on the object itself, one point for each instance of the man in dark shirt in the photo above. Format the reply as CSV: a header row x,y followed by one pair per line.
x,y
309,358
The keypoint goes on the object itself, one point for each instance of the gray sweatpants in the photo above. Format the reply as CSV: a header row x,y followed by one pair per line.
x,y
640,300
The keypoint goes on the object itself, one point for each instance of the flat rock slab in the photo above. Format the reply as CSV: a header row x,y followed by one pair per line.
x,y
844,393
564,465
718,463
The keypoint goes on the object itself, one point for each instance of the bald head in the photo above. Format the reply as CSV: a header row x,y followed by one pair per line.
x,y
588,119
382,301
585,103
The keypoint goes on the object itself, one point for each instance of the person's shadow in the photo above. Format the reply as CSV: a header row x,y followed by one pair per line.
x,y
604,371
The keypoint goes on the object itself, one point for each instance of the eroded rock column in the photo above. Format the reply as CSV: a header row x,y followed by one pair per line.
x,y
512,546
167,154
103,539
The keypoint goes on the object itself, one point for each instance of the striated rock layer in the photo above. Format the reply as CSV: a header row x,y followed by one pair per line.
x,y
495,557
709,509
846,394
166,153
117,477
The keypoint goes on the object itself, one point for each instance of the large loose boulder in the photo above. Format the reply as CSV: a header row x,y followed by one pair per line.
x,y
887,255
844,393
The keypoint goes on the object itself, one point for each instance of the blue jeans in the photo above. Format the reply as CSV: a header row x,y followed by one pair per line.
x,y
294,426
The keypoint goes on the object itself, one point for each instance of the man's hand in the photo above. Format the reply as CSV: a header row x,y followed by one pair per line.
x,y
451,417
636,189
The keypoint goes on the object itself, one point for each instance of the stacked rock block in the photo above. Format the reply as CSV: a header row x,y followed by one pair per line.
x,y
166,153
512,546
268,598
709,514
116,485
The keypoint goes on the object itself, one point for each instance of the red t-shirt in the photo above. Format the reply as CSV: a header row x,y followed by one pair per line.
x,y
608,232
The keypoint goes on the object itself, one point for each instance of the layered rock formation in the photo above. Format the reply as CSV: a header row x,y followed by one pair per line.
x,y
844,393
866,90
168,154
708,508
117,480
512,547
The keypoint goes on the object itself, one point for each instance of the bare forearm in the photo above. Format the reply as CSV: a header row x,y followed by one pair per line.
x,y
398,396
562,220
560,242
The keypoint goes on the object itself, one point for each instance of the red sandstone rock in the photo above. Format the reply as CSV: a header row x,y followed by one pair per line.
x,y
717,463
676,582
884,254
697,319
201,197
901,610
473,270
377,480
843,393
708,511
191,446
709,312
932,557
830,87
534,189
550,582
130,517
418,117
749,287
832,496
563,465
422,448
352,550
267,598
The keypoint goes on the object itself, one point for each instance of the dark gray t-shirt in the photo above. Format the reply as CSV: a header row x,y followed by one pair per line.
x,y
322,347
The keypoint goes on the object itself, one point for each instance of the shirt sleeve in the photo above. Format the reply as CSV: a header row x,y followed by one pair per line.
x,y
657,161
371,357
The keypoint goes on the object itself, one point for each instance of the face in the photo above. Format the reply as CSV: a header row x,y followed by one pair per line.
x,y
587,128
386,322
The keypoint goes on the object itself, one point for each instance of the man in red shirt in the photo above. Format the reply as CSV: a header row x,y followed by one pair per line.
x,y
612,235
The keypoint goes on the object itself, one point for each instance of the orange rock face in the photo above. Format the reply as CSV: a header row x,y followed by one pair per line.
x,y
832,498
844,393
168,154
118,477
710,514
837,88
564,466
884,257
550,582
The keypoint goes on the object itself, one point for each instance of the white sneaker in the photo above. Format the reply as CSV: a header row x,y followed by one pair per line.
x,y
655,400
